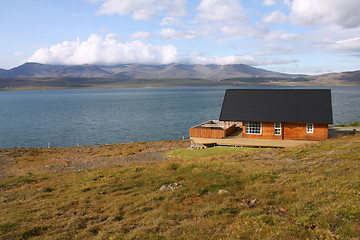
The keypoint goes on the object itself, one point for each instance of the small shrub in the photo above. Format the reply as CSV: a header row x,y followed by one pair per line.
x,y
7,227
268,220
94,230
34,232
86,189
160,198
139,169
174,166
46,189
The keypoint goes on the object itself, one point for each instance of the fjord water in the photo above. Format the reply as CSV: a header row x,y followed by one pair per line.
x,y
64,118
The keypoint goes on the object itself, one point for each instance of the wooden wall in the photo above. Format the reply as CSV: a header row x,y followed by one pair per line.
x,y
267,132
210,133
206,133
297,131
291,131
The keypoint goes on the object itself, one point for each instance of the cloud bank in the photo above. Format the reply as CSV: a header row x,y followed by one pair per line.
x,y
143,10
245,59
220,10
108,50
141,35
345,13
215,20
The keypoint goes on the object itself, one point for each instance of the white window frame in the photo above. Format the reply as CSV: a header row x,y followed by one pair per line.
x,y
310,128
277,128
251,129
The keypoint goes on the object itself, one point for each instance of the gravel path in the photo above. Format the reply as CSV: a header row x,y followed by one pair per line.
x,y
28,161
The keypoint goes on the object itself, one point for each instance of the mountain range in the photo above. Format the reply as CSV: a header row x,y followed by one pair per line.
x,y
136,71
46,76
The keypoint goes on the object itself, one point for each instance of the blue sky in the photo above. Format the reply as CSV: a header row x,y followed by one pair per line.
x,y
292,36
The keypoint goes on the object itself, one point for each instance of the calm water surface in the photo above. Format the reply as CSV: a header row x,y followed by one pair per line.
x,y
102,116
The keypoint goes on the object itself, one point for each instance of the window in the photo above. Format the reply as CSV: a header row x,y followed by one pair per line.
x,y
310,128
253,128
277,127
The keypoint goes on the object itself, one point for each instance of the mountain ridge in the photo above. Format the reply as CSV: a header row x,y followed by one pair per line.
x,y
148,71
34,76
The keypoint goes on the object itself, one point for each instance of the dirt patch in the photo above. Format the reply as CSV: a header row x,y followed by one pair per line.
x,y
27,161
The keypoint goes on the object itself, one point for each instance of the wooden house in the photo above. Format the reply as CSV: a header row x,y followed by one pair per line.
x,y
283,114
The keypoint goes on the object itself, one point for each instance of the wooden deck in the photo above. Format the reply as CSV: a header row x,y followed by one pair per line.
x,y
236,139
246,142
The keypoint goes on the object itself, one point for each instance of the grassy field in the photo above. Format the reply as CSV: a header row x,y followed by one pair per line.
x,y
308,192
352,124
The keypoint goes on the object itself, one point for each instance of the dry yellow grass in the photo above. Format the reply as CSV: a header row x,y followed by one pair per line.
x,y
296,193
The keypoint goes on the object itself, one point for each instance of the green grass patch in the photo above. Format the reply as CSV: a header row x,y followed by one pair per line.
x,y
352,124
199,153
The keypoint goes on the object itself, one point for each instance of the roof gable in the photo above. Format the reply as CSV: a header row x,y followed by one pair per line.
x,y
277,105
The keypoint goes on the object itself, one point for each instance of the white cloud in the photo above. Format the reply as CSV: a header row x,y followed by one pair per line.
x,y
220,10
171,33
19,54
245,59
196,54
239,31
108,50
351,45
259,32
280,36
142,10
332,38
92,1
170,21
175,7
141,35
287,3
275,17
345,13
269,2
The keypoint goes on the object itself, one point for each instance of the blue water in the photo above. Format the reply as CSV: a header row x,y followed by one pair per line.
x,y
66,118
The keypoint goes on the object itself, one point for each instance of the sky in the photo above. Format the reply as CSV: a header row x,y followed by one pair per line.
x,y
289,36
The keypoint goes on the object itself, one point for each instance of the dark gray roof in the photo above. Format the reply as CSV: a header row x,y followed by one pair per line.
x,y
277,105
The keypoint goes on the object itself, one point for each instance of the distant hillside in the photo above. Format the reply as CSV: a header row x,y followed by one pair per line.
x,y
351,78
31,76
130,71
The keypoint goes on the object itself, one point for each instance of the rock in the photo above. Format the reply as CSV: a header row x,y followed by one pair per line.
x,y
283,210
223,191
45,189
171,186
253,202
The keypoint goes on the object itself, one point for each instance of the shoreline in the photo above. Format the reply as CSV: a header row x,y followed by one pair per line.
x,y
7,85
335,131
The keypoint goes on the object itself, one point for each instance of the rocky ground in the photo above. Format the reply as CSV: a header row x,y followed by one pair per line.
x,y
20,161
